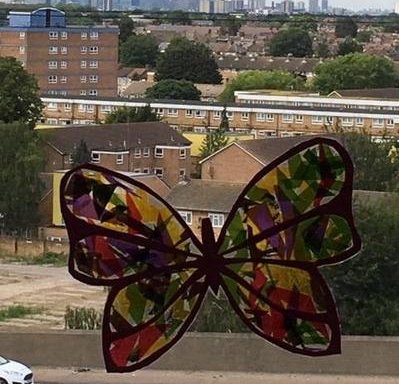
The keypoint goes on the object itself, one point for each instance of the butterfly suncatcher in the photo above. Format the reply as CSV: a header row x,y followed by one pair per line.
x,y
294,216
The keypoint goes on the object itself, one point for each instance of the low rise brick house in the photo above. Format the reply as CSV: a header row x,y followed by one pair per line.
x,y
239,161
198,199
140,148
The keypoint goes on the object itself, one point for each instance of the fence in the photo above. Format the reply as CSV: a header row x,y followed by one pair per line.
x,y
10,246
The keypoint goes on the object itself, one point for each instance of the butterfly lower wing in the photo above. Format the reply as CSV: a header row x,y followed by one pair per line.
x,y
118,227
297,208
290,306
142,320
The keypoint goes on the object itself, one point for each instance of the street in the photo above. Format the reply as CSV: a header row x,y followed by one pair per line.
x,y
64,376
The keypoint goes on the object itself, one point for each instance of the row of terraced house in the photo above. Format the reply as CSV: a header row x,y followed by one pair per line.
x,y
262,113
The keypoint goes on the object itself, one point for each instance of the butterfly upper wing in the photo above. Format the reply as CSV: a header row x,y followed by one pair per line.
x,y
142,320
119,228
293,216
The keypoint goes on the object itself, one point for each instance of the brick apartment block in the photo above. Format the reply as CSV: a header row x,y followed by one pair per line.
x,y
66,60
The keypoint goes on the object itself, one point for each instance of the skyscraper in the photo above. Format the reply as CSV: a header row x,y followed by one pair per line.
x,y
313,6
324,6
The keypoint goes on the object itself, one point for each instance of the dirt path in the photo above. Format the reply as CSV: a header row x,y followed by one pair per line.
x,y
47,287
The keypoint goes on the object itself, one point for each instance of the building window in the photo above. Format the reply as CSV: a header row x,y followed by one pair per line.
x,y
83,92
146,170
217,114
70,158
83,50
52,50
359,121
287,118
217,219
83,79
67,107
172,112
93,64
137,170
390,123
146,152
83,64
260,117
93,78
21,50
317,119
347,121
160,111
64,50
119,158
299,118
269,117
200,114
93,50
64,64
187,216
82,107
52,106
83,35
329,120
93,92
230,115
52,65
158,152
52,121
21,35
93,35
182,173
63,79
244,116
53,35
90,108
106,109
64,35
189,113
52,79
137,152
95,157
158,172
182,153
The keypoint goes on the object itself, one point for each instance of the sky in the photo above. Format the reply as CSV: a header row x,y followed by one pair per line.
x,y
363,4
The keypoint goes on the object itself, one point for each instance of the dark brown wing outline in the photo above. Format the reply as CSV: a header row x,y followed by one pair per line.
x,y
78,229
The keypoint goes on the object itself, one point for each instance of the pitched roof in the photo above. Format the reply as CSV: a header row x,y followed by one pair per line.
x,y
204,195
266,150
377,93
113,137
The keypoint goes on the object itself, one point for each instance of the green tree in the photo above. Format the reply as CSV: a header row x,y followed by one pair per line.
x,y
131,115
322,49
173,89
19,98
178,17
21,162
355,71
364,36
187,60
81,154
216,139
294,41
366,287
257,79
348,46
305,22
345,26
139,51
126,26
230,26
375,170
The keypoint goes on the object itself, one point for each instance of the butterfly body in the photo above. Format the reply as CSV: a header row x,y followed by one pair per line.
x,y
293,217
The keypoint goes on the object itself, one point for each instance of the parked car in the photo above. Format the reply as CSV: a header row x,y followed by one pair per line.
x,y
12,372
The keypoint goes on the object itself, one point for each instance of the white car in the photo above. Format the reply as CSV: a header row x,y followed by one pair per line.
x,y
12,372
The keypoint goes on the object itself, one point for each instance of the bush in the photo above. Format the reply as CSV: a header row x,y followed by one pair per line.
x,y
82,318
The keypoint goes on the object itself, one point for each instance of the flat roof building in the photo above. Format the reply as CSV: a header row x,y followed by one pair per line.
x,y
66,60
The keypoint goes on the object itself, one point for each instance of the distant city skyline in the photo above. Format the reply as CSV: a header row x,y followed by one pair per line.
x,y
363,4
